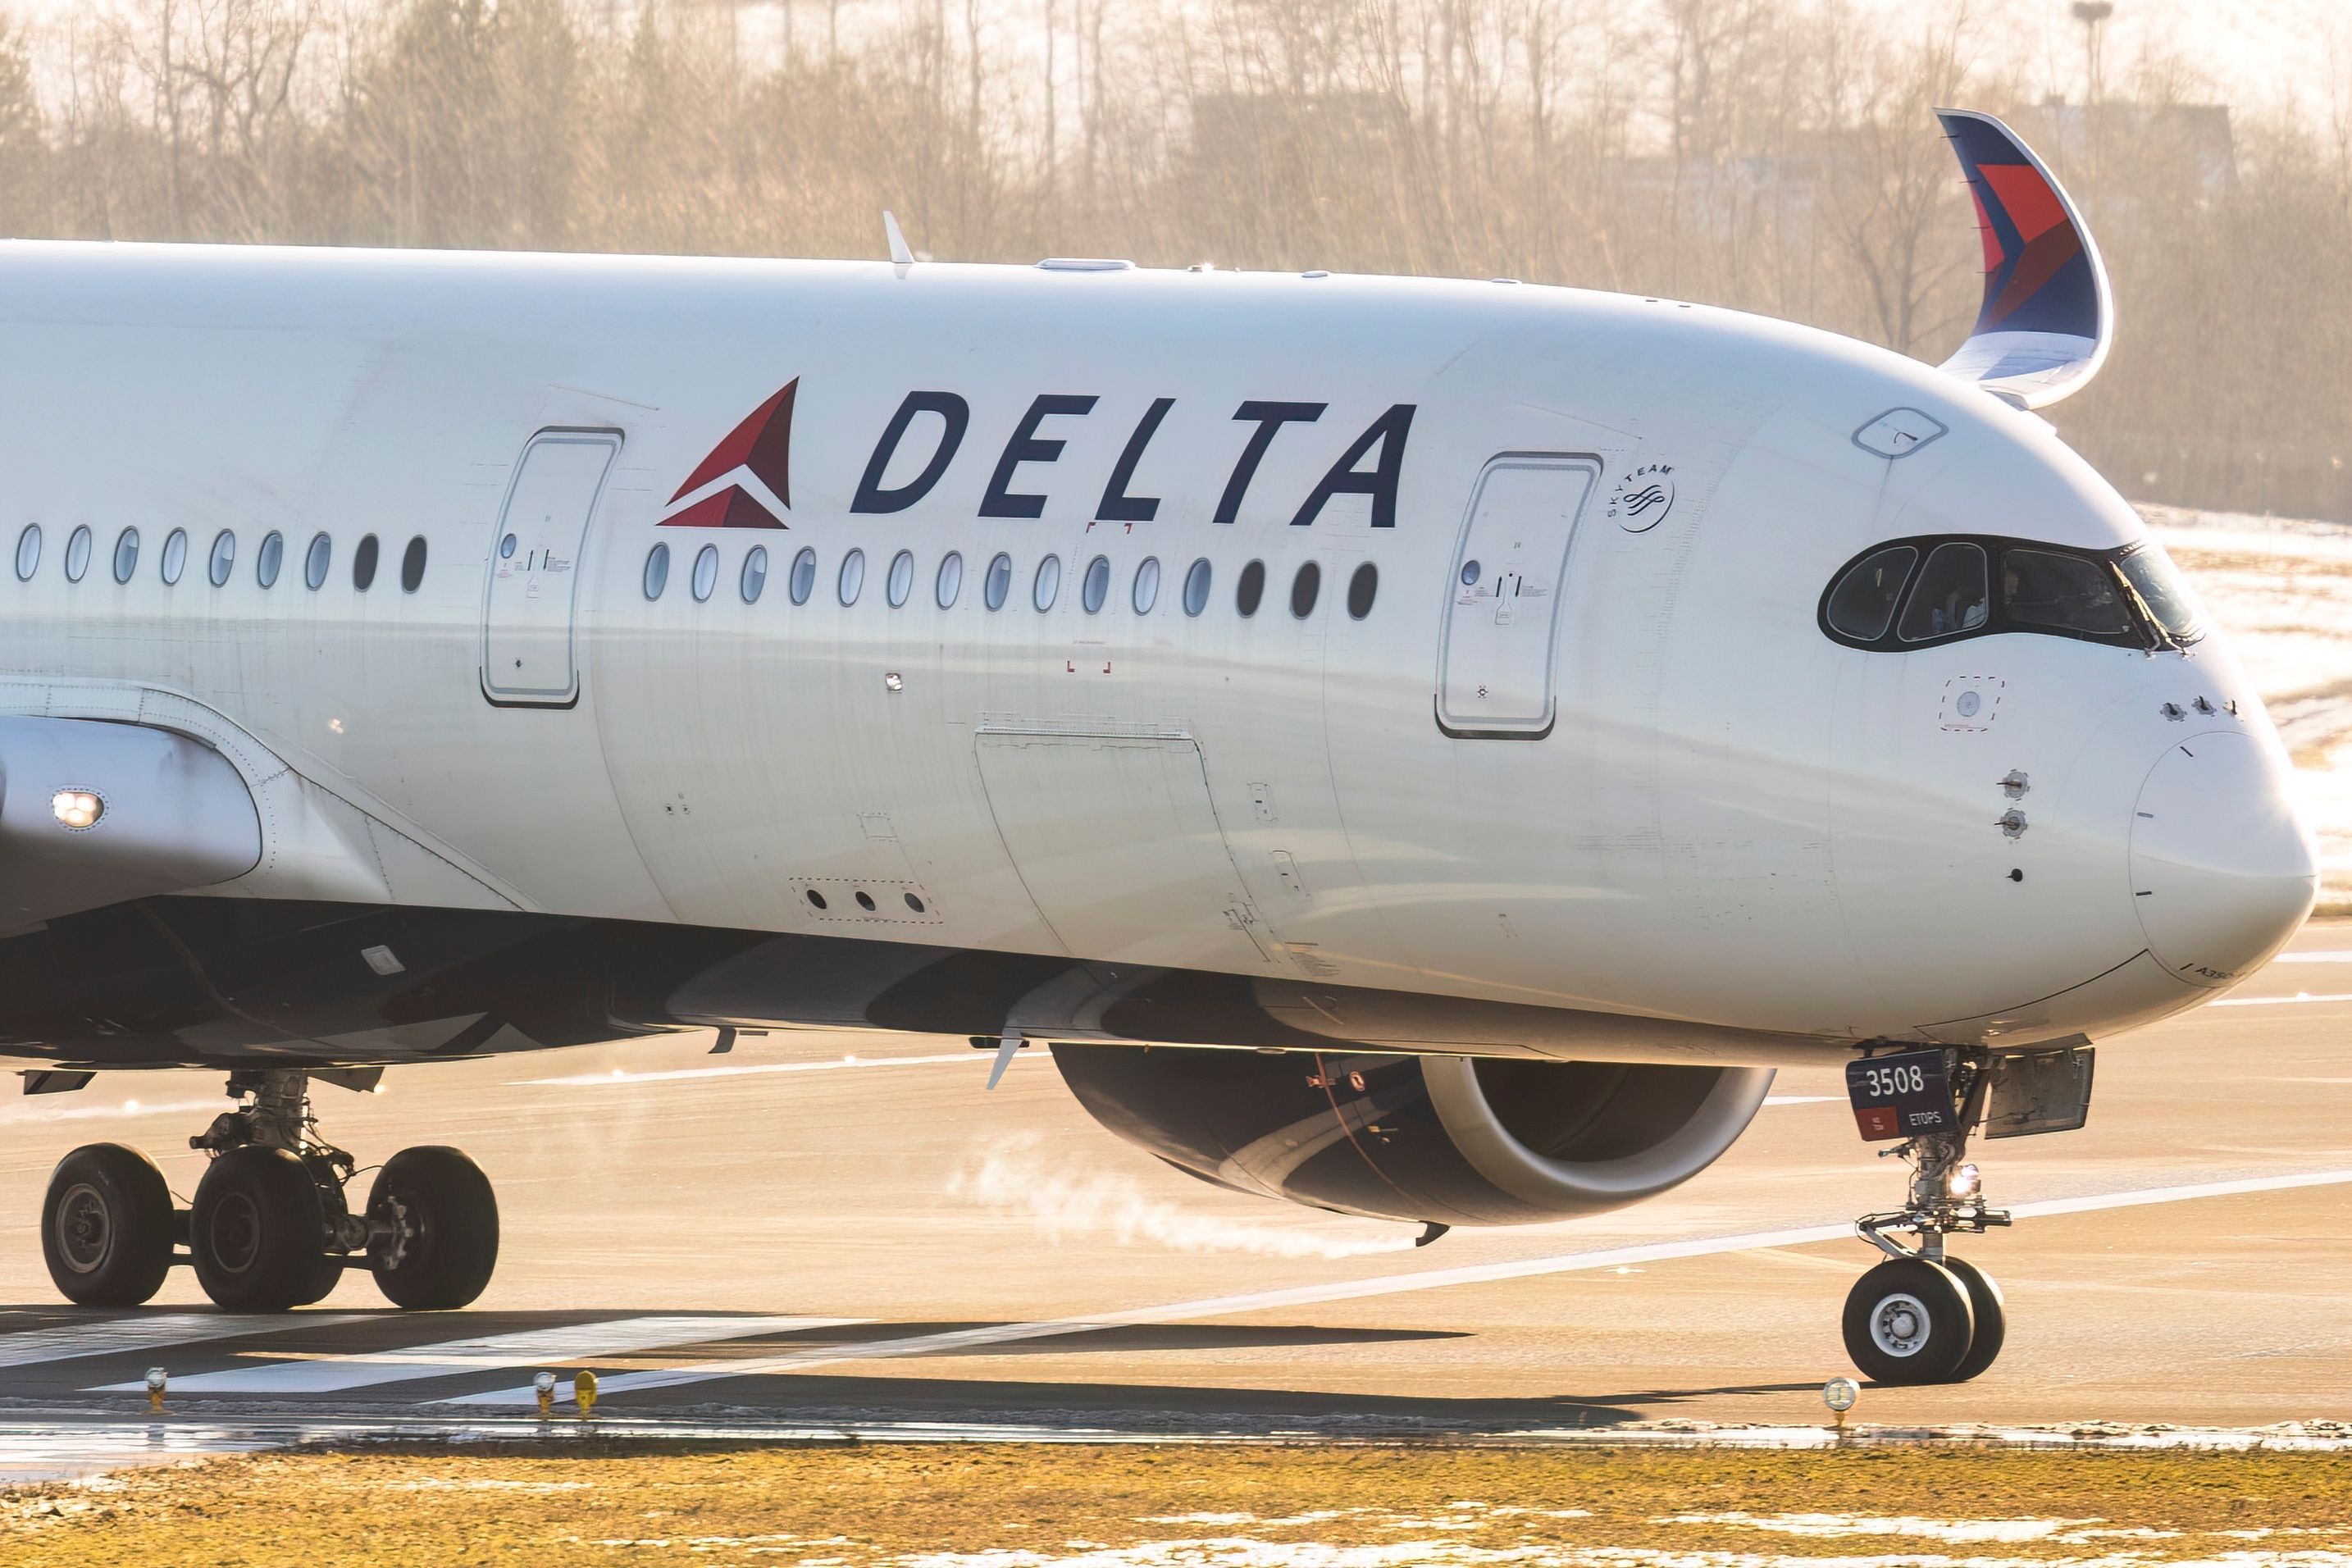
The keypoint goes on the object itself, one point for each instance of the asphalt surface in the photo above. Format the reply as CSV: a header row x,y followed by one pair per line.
x,y
825,1227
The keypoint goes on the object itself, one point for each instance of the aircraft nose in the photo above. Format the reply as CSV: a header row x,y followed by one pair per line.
x,y
2223,867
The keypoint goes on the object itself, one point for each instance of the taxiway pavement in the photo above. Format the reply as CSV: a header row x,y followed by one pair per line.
x,y
825,1228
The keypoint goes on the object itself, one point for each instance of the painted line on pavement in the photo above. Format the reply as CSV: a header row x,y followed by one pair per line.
x,y
160,1331
2280,1001
1380,1285
2334,957
487,1353
619,1076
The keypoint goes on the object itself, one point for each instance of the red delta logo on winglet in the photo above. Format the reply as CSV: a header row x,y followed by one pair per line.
x,y
760,447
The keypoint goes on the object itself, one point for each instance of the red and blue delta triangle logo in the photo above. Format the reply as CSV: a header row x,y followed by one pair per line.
x,y
756,460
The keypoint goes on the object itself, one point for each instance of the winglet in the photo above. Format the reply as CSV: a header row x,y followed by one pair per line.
x,y
900,254
2048,316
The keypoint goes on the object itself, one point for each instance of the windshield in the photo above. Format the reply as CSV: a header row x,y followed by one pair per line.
x,y
2044,588
2164,591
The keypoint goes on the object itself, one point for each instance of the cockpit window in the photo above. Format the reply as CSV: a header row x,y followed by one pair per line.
x,y
2072,593
1862,606
1907,593
2164,591
1950,596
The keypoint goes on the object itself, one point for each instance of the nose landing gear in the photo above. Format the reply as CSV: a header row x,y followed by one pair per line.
x,y
1924,1316
270,1228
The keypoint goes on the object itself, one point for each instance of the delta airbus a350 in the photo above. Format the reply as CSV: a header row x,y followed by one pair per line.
x,y
1416,749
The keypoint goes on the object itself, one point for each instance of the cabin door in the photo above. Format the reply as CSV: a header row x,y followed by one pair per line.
x,y
532,606
1502,616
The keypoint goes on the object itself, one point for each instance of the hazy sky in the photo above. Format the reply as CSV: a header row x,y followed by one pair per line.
x,y
2258,54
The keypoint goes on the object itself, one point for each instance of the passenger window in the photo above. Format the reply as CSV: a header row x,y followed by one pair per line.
x,y
224,558
852,578
1304,589
804,581
314,565
1147,585
1864,601
706,574
1000,583
1096,587
126,554
175,555
656,570
28,552
1250,589
1951,594
949,581
1362,587
412,565
1048,586
78,553
2160,587
1196,586
902,577
2043,588
362,564
268,559
753,579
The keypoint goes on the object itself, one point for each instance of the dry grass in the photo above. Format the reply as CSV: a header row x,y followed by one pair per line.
x,y
865,1504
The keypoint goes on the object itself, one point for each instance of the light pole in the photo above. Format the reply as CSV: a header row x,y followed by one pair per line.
x,y
2092,13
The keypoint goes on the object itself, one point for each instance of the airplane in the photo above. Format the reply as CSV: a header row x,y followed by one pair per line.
x,y
1423,749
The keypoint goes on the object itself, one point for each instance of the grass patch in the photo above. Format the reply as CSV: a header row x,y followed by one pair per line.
x,y
1006,1506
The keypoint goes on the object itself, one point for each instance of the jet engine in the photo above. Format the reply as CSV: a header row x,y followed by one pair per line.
x,y
1455,1140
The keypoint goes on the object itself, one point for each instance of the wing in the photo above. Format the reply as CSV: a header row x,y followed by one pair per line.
x,y
2048,315
94,813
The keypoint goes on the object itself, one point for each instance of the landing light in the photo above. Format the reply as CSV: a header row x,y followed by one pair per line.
x,y
1964,1182
77,808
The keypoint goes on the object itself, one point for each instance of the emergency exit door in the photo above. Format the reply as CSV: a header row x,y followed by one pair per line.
x,y
1502,616
532,606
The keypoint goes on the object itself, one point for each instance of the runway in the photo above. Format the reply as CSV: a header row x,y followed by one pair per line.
x,y
850,1230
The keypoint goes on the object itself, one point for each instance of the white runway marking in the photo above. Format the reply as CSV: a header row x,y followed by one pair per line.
x,y
1802,1099
488,1352
2276,1001
2337,956
590,1079
1380,1285
158,1331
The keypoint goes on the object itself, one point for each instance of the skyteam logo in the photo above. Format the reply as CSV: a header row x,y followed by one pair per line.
x,y
1643,497
755,460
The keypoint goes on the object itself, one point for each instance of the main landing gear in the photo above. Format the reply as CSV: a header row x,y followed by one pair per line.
x,y
270,1228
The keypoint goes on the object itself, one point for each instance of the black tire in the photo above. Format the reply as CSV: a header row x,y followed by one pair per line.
x,y
1991,1318
1909,1321
257,1231
107,1226
449,1220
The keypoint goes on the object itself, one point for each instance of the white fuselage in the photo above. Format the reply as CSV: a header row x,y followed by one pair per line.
x,y
1707,810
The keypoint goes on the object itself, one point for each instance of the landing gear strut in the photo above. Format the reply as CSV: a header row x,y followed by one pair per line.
x,y
270,1228
1924,1316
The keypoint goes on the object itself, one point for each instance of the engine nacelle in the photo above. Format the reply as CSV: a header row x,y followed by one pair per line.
x,y
1458,1140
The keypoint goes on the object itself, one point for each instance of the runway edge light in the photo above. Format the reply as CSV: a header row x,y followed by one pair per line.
x,y
155,1380
544,1386
1840,1394
583,1393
